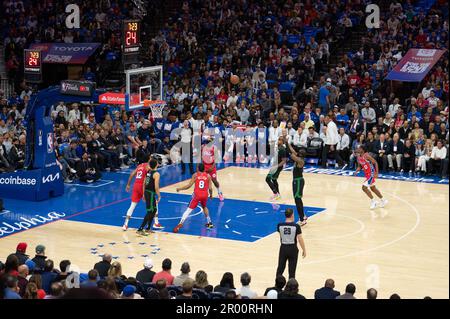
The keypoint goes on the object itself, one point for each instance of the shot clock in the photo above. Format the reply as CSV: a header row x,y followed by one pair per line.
x,y
32,65
131,42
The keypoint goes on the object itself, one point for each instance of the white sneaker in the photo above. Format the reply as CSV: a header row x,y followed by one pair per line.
x,y
125,227
72,171
121,156
123,166
89,181
373,204
383,202
68,181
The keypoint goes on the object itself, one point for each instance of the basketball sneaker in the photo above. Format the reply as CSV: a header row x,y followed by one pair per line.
x,y
302,223
177,228
158,226
149,231
209,225
383,202
124,227
275,197
141,233
373,204
221,198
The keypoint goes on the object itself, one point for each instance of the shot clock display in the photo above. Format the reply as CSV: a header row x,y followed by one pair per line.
x,y
32,65
131,42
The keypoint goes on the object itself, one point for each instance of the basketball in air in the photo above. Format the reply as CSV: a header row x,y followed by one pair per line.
x,y
234,79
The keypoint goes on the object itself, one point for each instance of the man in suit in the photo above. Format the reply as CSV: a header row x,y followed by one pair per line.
x,y
381,149
87,171
395,152
355,125
349,292
327,291
409,156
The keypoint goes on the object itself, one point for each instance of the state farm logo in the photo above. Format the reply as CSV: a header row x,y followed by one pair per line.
x,y
112,98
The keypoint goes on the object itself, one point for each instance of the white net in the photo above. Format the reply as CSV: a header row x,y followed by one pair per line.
x,y
156,107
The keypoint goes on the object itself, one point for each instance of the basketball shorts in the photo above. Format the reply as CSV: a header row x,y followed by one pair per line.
x,y
137,194
202,200
370,181
150,202
213,172
297,187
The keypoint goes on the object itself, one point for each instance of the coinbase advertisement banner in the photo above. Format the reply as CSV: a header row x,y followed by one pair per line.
x,y
34,185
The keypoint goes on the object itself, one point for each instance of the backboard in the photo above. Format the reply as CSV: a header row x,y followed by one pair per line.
x,y
143,84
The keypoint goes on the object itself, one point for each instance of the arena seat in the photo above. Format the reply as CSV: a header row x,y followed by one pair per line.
x,y
216,295
199,294
287,87
174,290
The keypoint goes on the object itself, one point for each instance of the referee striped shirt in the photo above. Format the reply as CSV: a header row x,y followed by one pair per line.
x,y
288,233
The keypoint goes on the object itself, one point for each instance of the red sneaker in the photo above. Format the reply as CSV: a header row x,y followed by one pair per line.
x,y
177,228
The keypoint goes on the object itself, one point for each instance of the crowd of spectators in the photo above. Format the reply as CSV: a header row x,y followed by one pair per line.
x,y
24,22
285,88
281,51
26,277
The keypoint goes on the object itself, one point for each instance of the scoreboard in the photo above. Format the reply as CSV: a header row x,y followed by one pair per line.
x,y
131,41
32,65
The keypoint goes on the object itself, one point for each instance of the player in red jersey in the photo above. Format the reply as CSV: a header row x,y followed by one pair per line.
x,y
370,168
208,159
203,185
139,173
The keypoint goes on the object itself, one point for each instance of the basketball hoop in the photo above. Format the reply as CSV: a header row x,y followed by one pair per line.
x,y
156,106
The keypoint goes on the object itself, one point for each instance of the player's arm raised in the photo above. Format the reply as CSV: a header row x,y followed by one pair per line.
x,y
283,162
156,177
299,160
289,147
133,174
188,185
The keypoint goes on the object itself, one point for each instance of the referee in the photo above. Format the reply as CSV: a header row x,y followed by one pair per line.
x,y
290,234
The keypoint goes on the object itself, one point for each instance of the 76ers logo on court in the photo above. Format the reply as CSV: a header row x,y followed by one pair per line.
x,y
49,143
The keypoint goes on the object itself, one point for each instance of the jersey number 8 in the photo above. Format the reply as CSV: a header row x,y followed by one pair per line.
x,y
201,184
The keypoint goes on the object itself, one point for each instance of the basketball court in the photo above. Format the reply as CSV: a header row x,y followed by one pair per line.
x,y
402,248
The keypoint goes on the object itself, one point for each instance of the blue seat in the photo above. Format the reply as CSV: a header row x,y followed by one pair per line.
x,y
293,38
287,87
199,294
174,291
216,295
